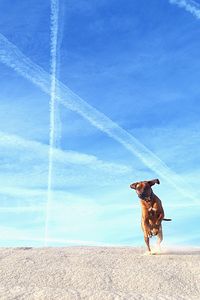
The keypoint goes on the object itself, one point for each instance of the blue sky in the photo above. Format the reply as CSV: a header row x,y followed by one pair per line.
x,y
134,69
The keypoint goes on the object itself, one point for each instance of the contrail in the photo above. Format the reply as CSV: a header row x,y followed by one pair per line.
x,y
58,121
54,37
189,5
14,58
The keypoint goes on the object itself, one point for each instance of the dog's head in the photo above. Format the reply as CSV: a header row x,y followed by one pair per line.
x,y
143,188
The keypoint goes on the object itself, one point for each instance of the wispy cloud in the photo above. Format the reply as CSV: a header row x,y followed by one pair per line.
x,y
15,142
189,5
14,58
23,175
186,239
11,233
21,209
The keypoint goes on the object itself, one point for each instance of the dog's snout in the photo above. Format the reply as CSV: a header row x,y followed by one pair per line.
x,y
143,195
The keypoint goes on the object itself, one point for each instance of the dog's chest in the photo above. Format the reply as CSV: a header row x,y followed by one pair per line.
x,y
151,209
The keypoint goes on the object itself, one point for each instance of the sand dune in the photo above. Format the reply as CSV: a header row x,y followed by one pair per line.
x,y
98,273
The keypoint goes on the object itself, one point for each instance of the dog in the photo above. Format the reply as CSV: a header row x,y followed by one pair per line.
x,y
152,212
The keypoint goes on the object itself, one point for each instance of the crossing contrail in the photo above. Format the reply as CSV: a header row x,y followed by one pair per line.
x,y
14,58
189,5
54,37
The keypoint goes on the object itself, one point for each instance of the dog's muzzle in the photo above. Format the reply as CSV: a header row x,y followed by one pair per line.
x,y
144,196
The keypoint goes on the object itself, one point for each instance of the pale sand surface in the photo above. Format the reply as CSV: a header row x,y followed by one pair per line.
x,y
98,273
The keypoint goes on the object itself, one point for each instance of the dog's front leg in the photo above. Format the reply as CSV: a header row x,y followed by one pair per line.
x,y
157,249
160,238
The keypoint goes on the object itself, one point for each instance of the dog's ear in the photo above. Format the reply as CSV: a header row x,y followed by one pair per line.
x,y
153,181
133,185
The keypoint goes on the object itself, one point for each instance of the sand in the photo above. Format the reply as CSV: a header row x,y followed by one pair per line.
x,y
98,273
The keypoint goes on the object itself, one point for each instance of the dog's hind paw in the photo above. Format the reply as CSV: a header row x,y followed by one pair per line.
x,y
156,250
147,253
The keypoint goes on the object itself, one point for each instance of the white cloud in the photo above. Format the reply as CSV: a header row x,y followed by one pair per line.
x,y
189,5
16,143
11,233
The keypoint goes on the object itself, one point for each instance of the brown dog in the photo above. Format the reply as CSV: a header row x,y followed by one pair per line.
x,y
152,211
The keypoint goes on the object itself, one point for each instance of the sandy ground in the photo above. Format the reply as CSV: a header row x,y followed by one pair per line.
x,y
98,273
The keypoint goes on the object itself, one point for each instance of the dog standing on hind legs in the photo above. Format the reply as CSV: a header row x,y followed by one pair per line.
x,y
152,211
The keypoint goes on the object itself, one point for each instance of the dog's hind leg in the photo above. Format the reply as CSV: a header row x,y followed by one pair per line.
x,y
146,239
159,240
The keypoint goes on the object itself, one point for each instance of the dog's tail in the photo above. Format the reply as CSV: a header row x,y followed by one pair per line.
x,y
166,219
